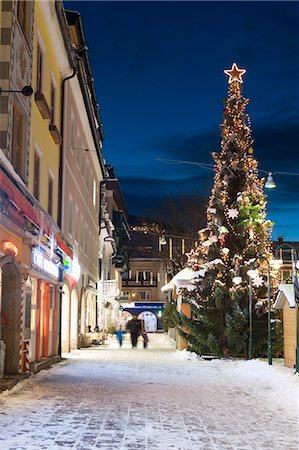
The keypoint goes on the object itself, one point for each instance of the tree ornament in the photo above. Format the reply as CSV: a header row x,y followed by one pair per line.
x,y
250,150
235,74
258,281
226,111
232,137
203,234
195,267
222,241
219,275
211,210
233,213
223,230
225,250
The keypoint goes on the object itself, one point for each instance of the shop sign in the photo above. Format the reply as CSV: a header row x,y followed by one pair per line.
x,y
44,264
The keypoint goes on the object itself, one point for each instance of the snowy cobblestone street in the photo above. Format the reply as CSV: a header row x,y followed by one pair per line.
x,y
155,399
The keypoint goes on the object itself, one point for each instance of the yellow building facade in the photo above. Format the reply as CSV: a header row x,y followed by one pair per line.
x,y
49,63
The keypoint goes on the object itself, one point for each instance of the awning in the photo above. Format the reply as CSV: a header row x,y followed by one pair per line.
x,y
181,280
286,293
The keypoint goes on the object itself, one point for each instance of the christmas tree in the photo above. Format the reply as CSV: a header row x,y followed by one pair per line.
x,y
236,233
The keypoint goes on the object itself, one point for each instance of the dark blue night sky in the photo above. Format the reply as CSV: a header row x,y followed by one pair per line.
x,y
159,76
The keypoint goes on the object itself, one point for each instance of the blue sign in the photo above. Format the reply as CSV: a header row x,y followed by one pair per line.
x,y
148,306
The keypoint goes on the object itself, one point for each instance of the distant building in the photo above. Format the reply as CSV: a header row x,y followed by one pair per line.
x,y
141,285
284,250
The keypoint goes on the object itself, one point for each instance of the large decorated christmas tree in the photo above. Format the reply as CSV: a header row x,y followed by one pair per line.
x,y
237,232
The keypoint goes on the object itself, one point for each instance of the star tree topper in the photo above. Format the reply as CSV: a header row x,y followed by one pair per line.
x,y
235,74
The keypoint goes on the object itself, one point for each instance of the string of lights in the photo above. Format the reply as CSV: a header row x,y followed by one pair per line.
x,y
212,166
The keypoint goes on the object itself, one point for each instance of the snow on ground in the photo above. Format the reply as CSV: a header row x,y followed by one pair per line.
x,y
154,399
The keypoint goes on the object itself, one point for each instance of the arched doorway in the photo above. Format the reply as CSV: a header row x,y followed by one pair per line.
x,y
74,321
150,321
91,311
10,313
65,319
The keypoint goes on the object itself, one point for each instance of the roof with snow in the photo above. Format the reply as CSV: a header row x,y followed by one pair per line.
x,y
286,293
181,280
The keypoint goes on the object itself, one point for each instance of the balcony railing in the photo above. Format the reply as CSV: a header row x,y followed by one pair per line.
x,y
109,288
140,283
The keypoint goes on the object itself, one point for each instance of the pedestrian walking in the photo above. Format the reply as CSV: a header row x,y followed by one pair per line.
x,y
134,327
145,339
120,335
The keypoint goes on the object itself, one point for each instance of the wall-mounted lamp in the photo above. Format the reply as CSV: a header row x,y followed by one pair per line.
x,y
26,90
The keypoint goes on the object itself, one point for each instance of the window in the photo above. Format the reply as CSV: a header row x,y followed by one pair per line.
x,y
143,276
51,297
78,149
53,94
39,69
144,295
50,194
24,19
36,175
82,232
86,240
94,193
17,157
76,224
73,143
287,276
70,224
86,175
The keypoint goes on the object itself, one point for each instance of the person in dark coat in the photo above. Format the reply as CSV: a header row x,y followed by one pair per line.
x,y
135,328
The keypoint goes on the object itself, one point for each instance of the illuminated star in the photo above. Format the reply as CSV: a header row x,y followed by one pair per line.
x,y
235,74
258,281
233,213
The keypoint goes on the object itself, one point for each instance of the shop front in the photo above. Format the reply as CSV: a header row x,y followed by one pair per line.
x,y
45,276
14,259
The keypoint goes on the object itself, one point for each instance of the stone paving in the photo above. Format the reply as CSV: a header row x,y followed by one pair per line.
x,y
124,399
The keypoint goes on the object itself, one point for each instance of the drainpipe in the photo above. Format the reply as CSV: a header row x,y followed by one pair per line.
x,y
60,186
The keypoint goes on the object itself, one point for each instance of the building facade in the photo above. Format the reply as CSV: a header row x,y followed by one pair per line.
x,y
82,173
114,243
31,242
